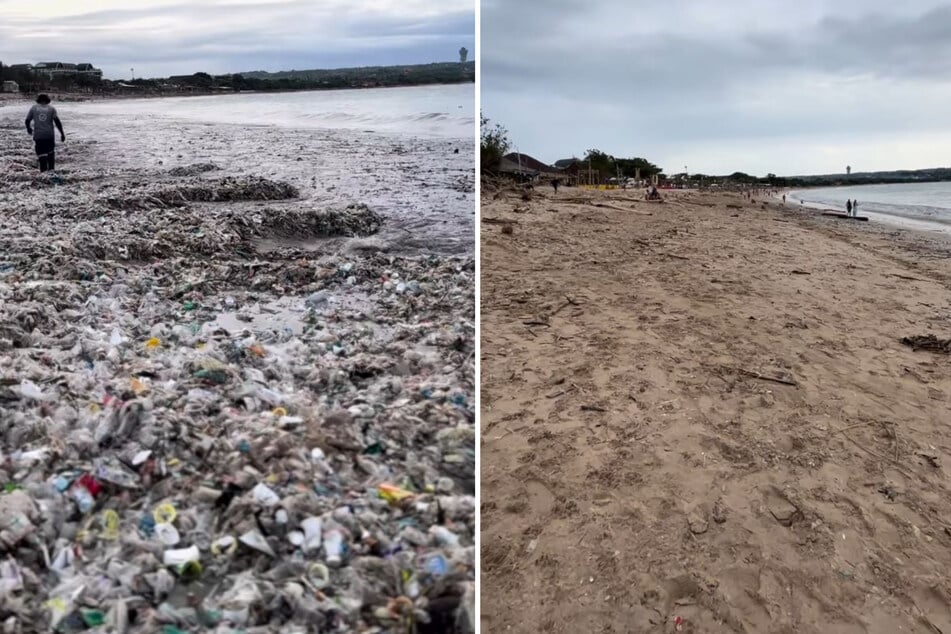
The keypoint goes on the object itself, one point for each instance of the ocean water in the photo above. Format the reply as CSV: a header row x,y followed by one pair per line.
x,y
905,204
432,111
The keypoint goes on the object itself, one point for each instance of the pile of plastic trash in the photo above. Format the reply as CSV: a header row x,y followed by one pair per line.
x,y
199,437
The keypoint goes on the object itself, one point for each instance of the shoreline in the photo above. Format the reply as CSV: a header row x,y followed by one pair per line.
x,y
78,97
892,220
683,415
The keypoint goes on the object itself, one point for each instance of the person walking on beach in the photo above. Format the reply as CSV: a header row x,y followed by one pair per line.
x,y
554,184
39,124
848,207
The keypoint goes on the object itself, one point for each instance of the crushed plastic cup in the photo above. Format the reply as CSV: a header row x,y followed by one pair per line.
x,y
318,575
312,534
181,556
109,523
265,495
254,539
166,533
334,546
444,537
29,389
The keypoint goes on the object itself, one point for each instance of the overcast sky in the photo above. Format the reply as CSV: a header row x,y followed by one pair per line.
x,y
751,85
175,37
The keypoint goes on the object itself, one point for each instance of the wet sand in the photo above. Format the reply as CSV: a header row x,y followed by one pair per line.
x,y
701,412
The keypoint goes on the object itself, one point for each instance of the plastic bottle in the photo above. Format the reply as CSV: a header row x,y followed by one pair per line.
x,y
334,547
83,498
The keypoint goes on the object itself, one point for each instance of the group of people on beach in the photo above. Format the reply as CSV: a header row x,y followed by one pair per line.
x,y
851,208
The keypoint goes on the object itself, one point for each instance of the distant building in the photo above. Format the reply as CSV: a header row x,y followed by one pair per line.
x,y
88,70
21,68
10,86
54,70
525,164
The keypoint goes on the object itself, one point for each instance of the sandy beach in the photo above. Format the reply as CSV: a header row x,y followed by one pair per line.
x,y
699,416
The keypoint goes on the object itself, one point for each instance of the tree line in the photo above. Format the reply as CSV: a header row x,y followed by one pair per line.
x,y
367,77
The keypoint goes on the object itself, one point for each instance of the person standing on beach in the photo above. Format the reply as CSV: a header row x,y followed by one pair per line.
x,y
39,124
848,207
554,184
855,208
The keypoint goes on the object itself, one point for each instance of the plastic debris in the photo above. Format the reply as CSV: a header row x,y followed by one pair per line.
x,y
204,432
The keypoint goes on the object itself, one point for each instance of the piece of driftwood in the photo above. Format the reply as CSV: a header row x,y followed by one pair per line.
x,y
842,216
765,377
592,408
625,210
928,342
906,277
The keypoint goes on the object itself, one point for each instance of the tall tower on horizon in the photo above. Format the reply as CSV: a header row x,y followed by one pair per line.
x,y
848,170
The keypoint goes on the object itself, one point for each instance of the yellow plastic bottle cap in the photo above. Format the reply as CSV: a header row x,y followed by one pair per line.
x,y
279,411
224,546
319,575
164,514
153,343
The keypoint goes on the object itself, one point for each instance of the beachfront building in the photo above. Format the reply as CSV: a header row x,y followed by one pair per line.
x,y
55,70
10,86
88,70
525,166
578,171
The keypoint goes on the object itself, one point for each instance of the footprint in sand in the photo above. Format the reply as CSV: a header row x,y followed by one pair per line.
x,y
540,498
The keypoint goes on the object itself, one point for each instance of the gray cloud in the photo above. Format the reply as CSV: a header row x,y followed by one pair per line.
x,y
673,81
165,37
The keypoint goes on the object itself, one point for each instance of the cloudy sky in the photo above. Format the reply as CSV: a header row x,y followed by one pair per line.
x,y
751,85
169,37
